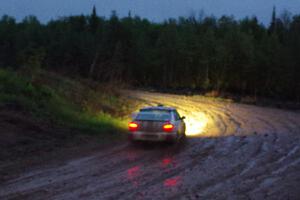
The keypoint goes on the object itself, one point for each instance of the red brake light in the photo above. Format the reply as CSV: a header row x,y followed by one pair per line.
x,y
133,126
168,127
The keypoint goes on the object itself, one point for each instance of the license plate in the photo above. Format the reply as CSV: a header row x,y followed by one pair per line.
x,y
150,136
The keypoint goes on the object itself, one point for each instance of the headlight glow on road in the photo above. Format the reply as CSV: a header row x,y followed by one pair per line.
x,y
196,123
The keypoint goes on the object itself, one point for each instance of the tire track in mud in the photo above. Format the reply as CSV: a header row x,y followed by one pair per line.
x,y
263,125
243,152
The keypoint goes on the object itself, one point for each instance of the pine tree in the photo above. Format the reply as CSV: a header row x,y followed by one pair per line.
x,y
94,21
272,27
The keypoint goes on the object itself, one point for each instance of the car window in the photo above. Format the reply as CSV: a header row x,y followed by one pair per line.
x,y
177,116
154,116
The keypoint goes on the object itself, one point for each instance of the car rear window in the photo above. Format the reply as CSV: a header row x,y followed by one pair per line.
x,y
154,115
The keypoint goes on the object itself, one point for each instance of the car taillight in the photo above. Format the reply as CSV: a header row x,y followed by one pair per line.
x,y
133,126
168,127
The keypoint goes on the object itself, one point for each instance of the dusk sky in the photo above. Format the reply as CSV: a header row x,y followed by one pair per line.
x,y
154,10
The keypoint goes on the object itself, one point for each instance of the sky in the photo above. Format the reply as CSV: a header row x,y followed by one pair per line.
x,y
154,10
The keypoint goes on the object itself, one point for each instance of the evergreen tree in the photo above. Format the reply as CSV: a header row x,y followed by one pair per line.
x,y
94,21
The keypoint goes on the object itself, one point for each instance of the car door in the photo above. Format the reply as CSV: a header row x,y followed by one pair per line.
x,y
179,122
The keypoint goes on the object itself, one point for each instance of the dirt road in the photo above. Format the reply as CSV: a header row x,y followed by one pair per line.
x,y
233,151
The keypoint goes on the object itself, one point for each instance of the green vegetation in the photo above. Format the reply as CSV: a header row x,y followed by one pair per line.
x,y
243,57
51,97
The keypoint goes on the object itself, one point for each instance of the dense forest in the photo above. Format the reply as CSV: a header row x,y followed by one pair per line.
x,y
198,52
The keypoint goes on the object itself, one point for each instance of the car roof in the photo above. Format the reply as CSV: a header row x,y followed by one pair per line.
x,y
157,108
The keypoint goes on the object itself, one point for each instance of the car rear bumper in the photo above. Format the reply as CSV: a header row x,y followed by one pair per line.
x,y
152,136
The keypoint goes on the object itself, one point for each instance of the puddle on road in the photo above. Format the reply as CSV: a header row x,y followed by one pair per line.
x,y
165,165
172,182
132,174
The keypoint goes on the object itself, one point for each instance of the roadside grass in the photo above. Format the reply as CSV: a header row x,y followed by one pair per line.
x,y
65,102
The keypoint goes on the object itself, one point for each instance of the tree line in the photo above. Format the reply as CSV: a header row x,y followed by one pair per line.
x,y
204,52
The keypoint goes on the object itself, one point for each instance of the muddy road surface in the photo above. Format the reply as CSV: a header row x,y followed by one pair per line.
x,y
233,151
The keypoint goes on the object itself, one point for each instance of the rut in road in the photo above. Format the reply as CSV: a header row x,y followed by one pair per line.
x,y
239,152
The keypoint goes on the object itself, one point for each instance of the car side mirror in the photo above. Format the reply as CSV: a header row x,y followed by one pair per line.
x,y
182,118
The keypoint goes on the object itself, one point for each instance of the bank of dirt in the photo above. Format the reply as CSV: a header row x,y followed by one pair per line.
x,y
27,142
